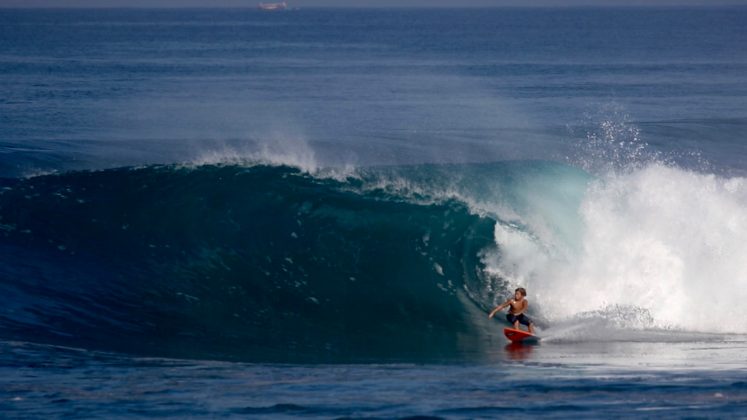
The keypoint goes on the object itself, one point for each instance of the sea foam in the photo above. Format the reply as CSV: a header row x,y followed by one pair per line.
x,y
659,239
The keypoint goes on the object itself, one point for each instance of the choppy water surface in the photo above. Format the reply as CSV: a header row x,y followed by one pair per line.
x,y
580,380
219,213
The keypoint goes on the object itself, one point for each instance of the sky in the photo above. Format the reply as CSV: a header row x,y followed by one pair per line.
x,y
360,3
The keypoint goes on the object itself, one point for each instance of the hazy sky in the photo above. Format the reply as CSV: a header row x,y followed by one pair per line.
x,y
358,3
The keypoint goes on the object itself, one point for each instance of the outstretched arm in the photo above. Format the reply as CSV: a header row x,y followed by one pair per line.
x,y
498,308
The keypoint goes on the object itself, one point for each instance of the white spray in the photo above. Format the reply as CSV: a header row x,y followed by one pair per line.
x,y
667,240
659,247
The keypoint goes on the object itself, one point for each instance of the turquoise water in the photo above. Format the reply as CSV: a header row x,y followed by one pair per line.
x,y
225,213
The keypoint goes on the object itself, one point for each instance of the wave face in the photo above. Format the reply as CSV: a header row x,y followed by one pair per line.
x,y
250,263
269,263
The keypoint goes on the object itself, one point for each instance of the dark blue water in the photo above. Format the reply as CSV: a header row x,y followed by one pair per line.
x,y
228,213
100,88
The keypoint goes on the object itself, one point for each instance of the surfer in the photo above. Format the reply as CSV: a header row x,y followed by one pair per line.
x,y
518,305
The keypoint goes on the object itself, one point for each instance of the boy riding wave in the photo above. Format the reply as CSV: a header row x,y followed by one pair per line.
x,y
518,305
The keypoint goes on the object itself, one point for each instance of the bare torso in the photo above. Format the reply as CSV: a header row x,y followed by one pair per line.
x,y
517,307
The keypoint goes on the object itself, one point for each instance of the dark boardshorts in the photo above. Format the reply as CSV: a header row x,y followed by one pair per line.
x,y
523,319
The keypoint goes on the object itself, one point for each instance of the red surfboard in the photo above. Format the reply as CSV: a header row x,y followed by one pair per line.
x,y
517,336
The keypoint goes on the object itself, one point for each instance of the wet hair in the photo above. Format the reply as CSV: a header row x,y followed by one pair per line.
x,y
523,291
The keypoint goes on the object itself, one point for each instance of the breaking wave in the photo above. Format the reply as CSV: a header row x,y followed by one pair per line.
x,y
258,262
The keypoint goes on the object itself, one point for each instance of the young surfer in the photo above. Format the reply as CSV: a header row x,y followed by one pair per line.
x,y
518,305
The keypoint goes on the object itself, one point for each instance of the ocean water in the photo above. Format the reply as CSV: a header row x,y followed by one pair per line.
x,y
229,213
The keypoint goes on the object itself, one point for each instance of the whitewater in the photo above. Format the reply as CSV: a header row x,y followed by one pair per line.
x,y
661,240
224,213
